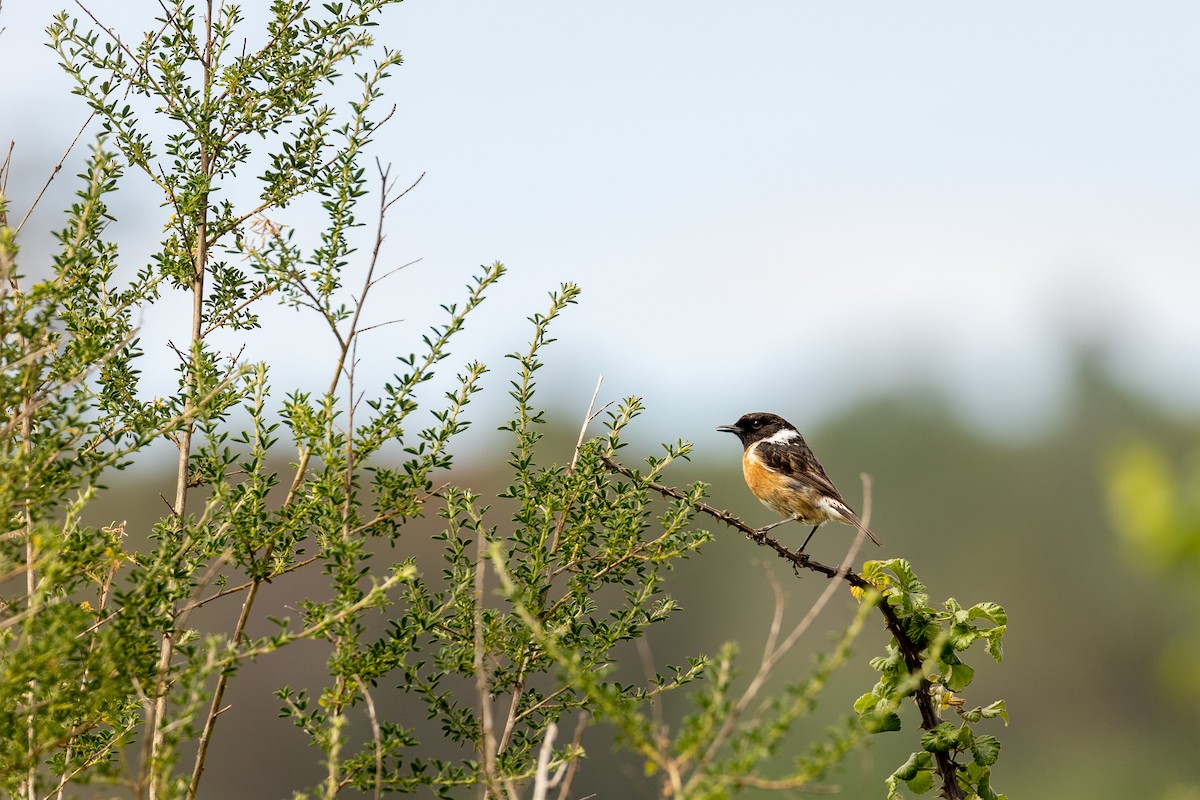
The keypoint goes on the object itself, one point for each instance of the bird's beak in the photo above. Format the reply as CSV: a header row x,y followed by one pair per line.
x,y
729,429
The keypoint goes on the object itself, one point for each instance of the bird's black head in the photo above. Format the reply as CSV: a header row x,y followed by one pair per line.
x,y
757,425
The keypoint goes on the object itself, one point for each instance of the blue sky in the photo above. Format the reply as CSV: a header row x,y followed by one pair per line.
x,y
776,205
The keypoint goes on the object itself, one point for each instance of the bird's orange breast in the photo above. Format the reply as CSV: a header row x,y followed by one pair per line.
x,y
778,492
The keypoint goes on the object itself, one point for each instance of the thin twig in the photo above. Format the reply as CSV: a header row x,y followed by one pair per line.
x,y
344,341
576,751
518,692
482,693
541,781
244,586
380,325
587,418
394,270
5,170
412,185
376,735
54,173
227,317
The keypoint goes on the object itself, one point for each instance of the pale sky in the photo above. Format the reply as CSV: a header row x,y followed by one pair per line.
x,y
769,206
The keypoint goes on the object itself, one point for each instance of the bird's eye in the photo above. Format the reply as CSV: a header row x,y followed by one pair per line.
x,y
756,423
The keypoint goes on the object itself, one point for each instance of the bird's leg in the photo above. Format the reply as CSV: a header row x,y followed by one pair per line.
x,y
810,535
775,525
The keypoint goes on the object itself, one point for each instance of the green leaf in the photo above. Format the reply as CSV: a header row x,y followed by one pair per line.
x,y
992,612
941,739
994,710
917,762
985,749
993,646
866,702
880,723
922,783
959,678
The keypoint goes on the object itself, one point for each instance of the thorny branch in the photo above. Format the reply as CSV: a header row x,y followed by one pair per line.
x,y
923,693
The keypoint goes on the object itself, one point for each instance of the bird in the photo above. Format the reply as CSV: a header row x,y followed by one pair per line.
x,y
786,477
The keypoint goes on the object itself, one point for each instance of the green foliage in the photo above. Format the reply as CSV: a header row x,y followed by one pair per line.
x,y
1155,508
935,637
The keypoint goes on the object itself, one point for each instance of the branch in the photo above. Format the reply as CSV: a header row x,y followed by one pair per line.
x,y
922,694
799,560
53,173
487,738
376,735
244,586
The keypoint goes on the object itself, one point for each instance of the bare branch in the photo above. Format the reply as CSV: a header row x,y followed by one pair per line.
x,y
487,724
587,419
565,787
54,172
376,735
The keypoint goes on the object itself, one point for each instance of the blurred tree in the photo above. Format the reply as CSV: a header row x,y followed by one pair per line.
x,y
1155,506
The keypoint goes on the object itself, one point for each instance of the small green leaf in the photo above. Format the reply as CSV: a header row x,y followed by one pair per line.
x,y
985,749
995,709
917,762
960,677
866,702
922,783
992,612
963,636
941,739
993,646
880,723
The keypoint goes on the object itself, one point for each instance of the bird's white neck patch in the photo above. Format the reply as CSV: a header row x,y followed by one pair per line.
x,y
783,437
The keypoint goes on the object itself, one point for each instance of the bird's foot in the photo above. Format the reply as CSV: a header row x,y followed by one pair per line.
x,y
763,530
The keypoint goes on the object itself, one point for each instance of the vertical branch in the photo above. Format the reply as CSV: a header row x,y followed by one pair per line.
x,y
30,570
348,475
542,782
101,605
346,342
345,370
487,724
519,687
568,777
376,735
196,335
333,745
199,268
239,635
587,419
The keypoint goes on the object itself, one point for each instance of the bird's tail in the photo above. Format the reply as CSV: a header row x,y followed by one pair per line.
x,y
867,531
853,519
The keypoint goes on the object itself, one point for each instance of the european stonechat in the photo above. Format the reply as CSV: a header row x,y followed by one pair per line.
x,y
785,475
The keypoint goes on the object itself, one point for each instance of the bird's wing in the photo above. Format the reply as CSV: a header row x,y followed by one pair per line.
x,y
798,463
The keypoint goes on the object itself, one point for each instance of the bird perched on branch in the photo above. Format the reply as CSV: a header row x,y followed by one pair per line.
x,y
784,474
